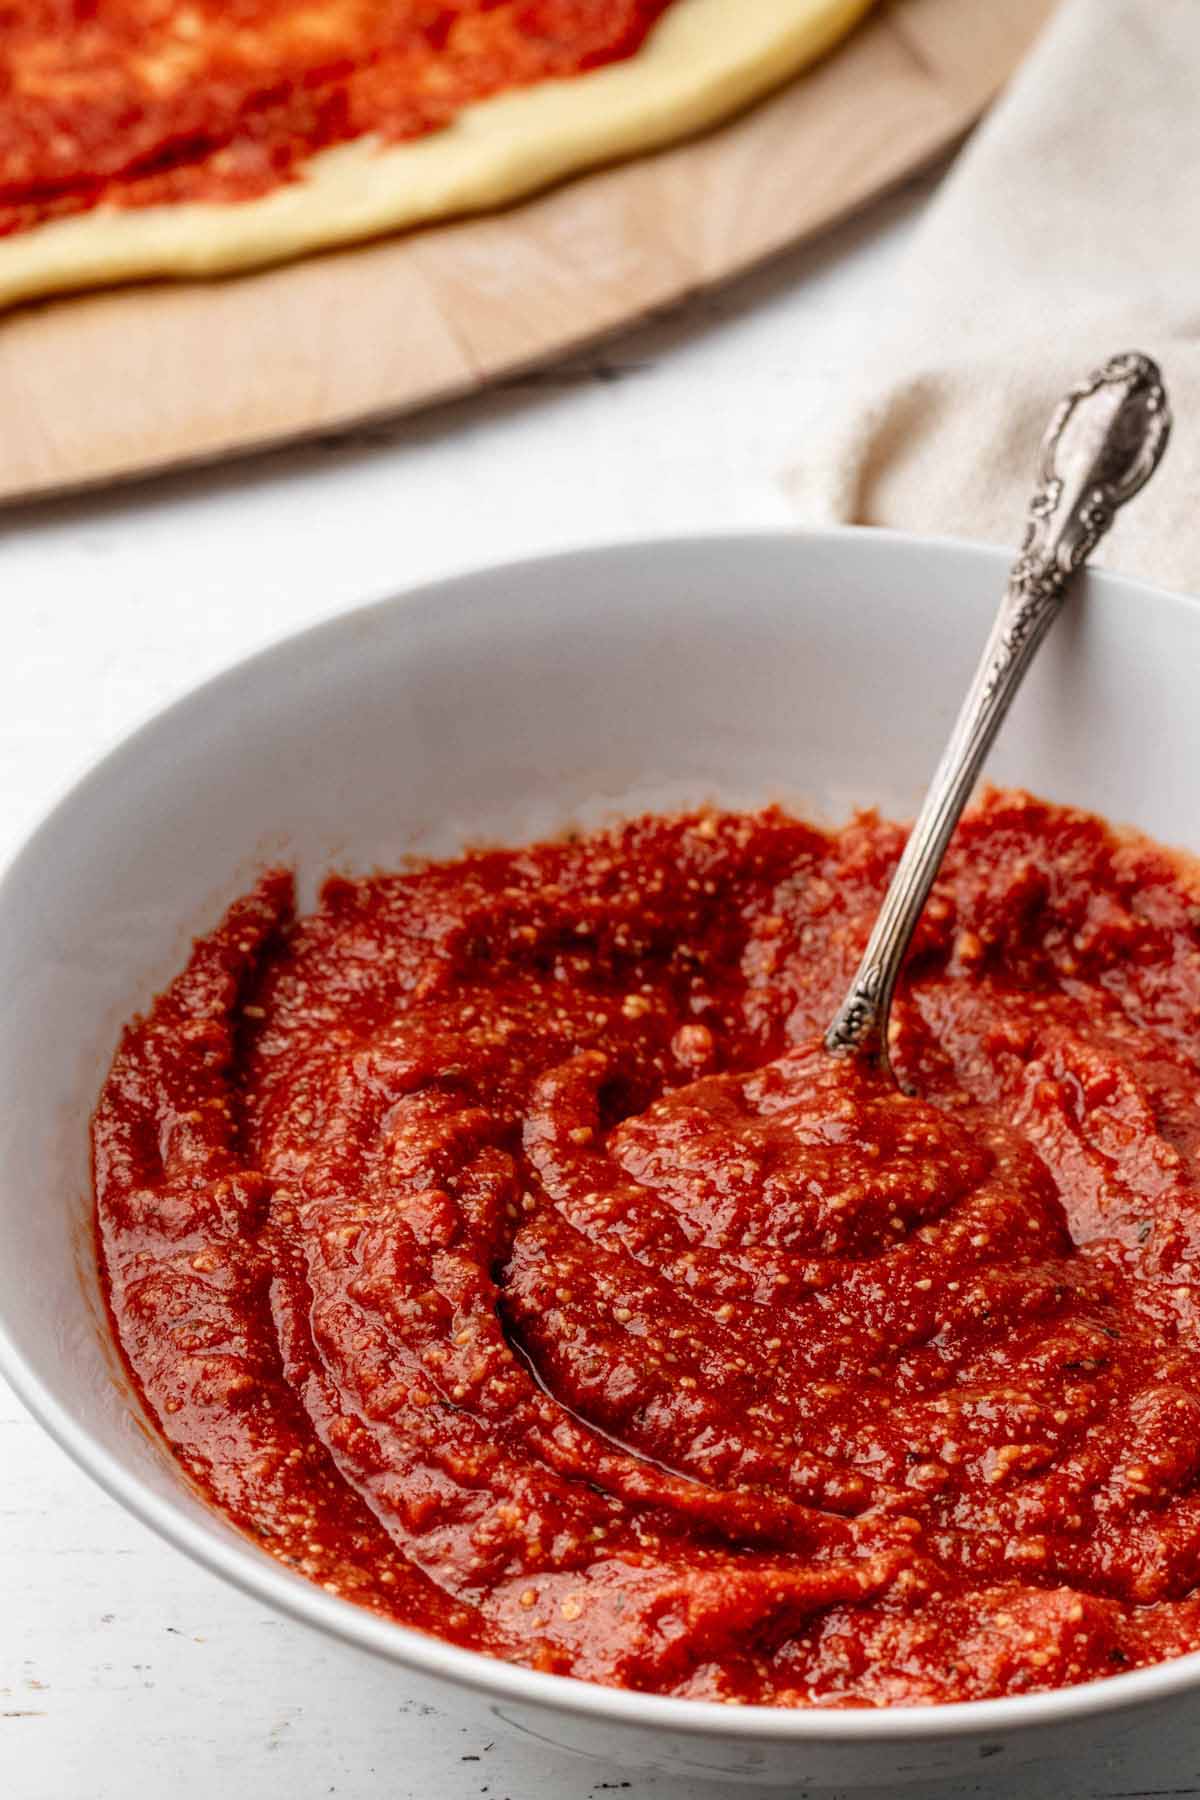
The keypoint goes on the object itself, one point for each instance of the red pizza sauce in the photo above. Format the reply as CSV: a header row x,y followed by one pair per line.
x,y
499,1247
149,102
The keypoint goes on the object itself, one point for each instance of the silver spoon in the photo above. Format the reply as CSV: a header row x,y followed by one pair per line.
x,y
1102,444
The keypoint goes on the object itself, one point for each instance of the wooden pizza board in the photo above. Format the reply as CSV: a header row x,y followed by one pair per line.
x,y
110,385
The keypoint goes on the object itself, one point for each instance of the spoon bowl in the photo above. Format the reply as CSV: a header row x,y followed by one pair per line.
x,y
820,670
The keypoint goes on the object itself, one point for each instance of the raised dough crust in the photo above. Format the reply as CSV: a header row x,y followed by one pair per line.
x,y
704,60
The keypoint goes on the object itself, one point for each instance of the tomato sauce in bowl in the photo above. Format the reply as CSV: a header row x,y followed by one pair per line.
x,y
497,1245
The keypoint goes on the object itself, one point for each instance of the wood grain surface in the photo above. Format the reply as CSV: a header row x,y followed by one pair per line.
x,y
110,385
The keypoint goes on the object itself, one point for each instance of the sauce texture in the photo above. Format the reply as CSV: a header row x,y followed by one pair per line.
x,y
497,1245
151,102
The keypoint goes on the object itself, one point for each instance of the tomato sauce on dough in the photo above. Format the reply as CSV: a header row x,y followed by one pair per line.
x,y
498,1246
141,103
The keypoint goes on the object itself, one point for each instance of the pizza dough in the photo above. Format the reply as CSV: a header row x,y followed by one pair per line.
x,y
704,60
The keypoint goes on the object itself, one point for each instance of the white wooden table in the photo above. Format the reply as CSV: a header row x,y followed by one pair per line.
x,y
124,1671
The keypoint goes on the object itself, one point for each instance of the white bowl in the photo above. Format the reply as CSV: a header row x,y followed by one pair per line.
x,y
823,670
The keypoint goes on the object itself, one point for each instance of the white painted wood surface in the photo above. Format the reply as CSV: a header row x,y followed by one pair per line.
x,y
124,1671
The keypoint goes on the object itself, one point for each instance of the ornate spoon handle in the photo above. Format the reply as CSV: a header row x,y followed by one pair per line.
x,y
1102,444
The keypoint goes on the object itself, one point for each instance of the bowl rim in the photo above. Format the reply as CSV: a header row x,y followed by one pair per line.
x,y
238,1561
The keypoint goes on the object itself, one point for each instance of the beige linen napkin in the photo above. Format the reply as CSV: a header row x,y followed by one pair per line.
x,y
1068,229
